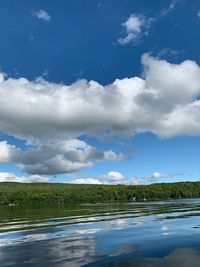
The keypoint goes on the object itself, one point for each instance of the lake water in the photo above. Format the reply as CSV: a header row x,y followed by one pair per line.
x,y
159,234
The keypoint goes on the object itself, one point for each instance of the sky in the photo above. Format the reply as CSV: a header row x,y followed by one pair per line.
x,y
97,91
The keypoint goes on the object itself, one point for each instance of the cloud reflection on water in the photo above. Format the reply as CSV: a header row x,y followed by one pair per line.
x,y
133,234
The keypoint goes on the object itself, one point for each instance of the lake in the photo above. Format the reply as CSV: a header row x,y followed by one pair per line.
x,y
161,234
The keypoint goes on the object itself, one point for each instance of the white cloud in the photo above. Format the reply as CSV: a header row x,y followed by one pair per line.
x,y
42,14
136,181
55,157
10,177
52,116
86,181
110,155
157,175
7,152
111,177
154,177
114,176
136,26
198,14
165,102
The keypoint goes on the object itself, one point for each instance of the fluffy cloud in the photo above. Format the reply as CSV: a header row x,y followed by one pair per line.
x,y
113,176
110,155
7,152
56,157
154,177
10,177
135,26
157,175
42,14
40,110
86,181
52,117
62,157
198,14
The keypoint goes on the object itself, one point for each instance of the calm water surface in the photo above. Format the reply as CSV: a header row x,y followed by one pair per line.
x,y
159,234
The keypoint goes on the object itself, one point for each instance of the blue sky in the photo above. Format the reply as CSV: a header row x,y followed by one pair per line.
x,y
136,122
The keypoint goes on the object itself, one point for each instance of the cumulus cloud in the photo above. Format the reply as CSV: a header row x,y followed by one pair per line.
x,y
56,157
52,117
198,14
157,175
42,14
154,177
10,177
7,152
114,176
164,102
110,155
86,181
111,177
135,27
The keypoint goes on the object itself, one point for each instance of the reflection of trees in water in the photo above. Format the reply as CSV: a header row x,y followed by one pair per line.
x,y
73,251
71,238
184,257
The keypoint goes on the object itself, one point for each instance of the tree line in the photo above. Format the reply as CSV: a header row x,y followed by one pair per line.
x,y
12,194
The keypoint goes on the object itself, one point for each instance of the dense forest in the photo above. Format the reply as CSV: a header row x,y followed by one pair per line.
x,y
58,194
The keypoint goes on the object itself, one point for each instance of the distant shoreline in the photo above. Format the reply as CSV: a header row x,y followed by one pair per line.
x,y
15,194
